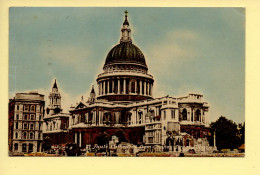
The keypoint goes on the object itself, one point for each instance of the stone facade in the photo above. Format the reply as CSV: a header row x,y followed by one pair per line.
x,y
26,111
125,103
56,123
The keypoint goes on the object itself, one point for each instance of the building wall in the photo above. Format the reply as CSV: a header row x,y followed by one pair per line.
x,y
26,122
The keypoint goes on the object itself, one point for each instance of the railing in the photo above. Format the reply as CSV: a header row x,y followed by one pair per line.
x,y
125,71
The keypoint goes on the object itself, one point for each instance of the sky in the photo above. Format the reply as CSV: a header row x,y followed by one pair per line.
x,y
187,50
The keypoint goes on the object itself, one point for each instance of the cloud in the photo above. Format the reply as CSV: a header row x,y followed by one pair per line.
x,y
185,35
176,46
66,55
169,54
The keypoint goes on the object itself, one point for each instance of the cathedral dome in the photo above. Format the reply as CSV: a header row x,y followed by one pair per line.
x,y
125,53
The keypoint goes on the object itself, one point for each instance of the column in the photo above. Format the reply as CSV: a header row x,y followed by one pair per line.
x,y
148,89
100,117
75,137
87,117
113,86
201,115
141,89
79,139
94,117
144,87
151,90
124,86
118,86
98,88
130,86
176,114
193,114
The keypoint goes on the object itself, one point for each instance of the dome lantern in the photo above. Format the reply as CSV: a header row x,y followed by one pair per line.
x,y
126,31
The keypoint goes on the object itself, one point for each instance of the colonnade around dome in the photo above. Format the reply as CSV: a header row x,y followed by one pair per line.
x,y
125,86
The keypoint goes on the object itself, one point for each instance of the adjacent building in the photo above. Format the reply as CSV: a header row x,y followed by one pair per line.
x,y
26,111
56,123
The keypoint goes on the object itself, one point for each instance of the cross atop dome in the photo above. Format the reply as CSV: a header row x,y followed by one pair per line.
x,y
126,21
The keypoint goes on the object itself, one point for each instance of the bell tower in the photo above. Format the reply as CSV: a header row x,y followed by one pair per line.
x,y
92,97
54,106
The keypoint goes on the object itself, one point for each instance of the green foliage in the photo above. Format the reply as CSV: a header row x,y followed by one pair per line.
x,y
228,136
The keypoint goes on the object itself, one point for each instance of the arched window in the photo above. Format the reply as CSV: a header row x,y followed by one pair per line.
x,y
32,117
32,108
184,114
140,113
24,135
16,135
24,147
16,146
25,117
31,126
197,115
31,135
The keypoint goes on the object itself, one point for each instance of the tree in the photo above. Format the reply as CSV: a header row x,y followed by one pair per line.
x,y
226,133
241,134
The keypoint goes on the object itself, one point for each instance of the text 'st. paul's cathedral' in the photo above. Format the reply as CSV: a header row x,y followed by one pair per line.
x,y
124,110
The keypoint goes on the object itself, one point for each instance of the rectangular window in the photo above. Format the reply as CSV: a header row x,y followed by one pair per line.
x,y
30,148
16,125
17,107
26,107
150,140
173,114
